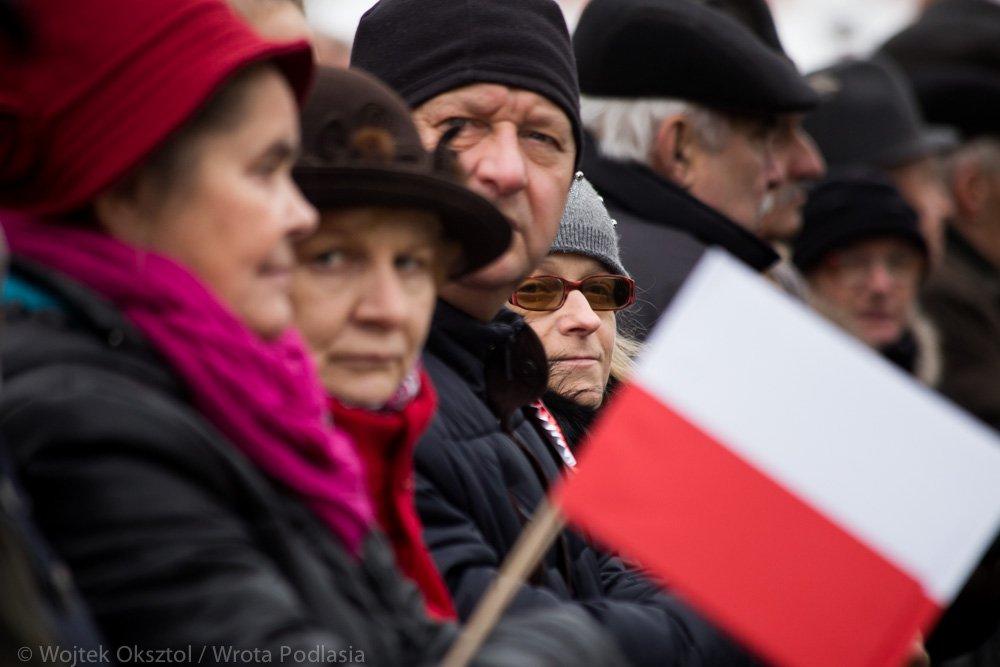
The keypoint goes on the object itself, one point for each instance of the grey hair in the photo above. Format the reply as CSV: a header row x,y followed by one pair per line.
x,y
625,128
984,151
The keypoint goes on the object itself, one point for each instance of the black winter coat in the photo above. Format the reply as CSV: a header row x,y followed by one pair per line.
x,y
664,231
39,603
174,537
478,483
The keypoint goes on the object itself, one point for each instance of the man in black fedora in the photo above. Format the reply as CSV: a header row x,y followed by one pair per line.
x,y
694,130
951,55
497,81
869,119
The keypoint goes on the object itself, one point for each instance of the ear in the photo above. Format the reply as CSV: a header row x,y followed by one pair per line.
x,y
118,214
969,187
673,150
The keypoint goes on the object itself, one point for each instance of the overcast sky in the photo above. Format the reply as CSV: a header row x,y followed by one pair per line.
x,y
815,32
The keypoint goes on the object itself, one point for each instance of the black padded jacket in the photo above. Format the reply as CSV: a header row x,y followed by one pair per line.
x,y
482,471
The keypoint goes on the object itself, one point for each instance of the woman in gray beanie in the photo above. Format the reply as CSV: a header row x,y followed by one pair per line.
x,y
572,301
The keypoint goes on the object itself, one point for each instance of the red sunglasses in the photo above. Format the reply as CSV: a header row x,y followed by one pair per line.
x,y
603,292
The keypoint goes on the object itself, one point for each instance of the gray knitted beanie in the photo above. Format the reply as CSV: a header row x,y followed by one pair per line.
x,y
587,228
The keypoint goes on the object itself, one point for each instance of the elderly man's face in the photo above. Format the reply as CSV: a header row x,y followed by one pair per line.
x,y
518,149
736,177
801,163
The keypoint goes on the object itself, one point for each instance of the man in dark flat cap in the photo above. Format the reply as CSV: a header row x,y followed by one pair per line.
x,y
793,147
695,129
498,79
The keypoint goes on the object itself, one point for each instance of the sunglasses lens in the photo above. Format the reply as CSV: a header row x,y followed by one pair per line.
x,y
543,293
607,292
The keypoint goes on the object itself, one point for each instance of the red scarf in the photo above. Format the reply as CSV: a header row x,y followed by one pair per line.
x,y
264,396
386,440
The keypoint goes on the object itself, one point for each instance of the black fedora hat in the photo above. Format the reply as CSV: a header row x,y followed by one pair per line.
x,y
869,117
684,50
952,57
360,148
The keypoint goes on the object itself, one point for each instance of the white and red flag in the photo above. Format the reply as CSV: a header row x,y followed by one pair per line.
x,y
805,495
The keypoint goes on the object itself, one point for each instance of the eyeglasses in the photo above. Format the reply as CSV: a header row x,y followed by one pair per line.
x,y
603,292
853,269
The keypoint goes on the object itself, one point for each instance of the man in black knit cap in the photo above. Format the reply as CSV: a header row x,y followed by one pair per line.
x,y
696,129
497,80
865,258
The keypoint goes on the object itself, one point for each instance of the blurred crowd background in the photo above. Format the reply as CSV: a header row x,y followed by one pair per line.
x,y
815,33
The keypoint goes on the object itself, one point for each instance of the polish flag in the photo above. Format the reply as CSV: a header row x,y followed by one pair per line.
x,y
801,492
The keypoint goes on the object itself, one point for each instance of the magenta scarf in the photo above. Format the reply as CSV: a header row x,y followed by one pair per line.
x,y
264,396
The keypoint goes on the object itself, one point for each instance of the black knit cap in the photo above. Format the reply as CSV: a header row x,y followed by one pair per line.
x,y
423,48
843,211
684,50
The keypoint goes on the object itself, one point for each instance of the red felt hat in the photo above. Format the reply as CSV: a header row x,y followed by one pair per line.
x,y
107,81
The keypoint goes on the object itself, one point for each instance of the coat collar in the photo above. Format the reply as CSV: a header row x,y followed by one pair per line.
x,y
502,361
958,246
635,189
66,309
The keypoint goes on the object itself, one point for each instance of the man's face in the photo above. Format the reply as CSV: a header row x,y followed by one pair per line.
x,y
922,186
874,284
736,177
801,163
518,150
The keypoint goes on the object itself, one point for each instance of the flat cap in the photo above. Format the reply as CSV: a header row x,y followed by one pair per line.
x,y
683,50
755,15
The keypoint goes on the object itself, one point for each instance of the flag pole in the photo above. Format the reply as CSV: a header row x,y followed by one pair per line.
x,y
531,545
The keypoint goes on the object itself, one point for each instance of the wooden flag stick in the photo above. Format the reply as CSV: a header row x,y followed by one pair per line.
x,y
531,545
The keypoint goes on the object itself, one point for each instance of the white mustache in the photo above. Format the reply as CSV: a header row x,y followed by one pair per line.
x,y
767,204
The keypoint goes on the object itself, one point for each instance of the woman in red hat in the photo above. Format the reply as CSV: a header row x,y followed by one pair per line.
x,y
166,419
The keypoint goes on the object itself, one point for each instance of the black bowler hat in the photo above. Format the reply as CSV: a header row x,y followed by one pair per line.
x,y
683,50
844,211
361,148
952,57
869,117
